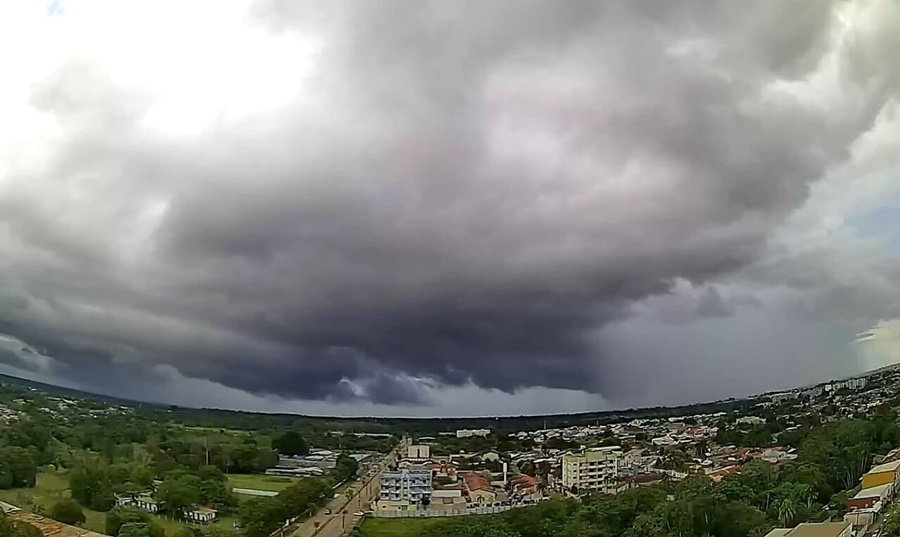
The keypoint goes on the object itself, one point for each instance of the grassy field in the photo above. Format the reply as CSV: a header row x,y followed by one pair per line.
x,y
260,482
52,487
396,527
49,489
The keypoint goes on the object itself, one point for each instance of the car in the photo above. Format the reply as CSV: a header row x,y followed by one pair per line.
x,y
327,511
358,513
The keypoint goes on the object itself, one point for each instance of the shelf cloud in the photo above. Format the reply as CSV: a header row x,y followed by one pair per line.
x,y
360,203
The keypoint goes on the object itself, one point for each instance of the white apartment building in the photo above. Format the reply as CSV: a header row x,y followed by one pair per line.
x,y
406,487
419,453
468,433
594,470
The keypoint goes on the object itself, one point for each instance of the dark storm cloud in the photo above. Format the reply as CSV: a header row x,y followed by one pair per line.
x,y
466,192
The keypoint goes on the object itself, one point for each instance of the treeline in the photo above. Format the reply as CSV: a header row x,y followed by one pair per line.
x,y
23,447
94,483
242,458
259,517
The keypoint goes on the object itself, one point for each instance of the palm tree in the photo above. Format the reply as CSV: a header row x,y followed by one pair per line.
x,y
787,510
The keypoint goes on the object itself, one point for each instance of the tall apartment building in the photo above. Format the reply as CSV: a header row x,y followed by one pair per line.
x,y
406,486
593,470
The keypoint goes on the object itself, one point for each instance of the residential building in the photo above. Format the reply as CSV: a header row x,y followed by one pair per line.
x,y
525,487
818,529
479,489
406,485
447,500
591,470
468,433
869,497
882,474
750,420
142,501
201,515
418,452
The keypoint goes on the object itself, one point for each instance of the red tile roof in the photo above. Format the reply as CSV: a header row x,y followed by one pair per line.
x,y
476,482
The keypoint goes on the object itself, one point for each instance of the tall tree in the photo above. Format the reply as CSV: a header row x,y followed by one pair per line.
x,y
68,512
290,444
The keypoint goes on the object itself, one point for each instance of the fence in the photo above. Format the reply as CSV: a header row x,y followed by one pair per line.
x,y
430,513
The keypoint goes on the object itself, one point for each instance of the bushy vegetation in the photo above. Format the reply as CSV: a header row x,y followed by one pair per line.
x,y
93,451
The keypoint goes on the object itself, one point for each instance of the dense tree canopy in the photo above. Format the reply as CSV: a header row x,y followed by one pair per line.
x,y
67,512
17,467
290,444
91,486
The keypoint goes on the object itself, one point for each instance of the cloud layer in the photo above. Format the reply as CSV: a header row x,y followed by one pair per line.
x,y
370,203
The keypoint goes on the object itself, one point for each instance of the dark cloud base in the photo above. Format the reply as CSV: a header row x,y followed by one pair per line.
x,y
489,187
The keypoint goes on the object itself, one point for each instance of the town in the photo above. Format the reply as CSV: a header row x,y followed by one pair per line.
x,y
828,457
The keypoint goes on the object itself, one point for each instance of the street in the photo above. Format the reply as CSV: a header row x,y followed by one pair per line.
x,y
343,509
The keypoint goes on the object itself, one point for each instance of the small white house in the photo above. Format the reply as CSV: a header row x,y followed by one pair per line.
x,y
148,503
200,515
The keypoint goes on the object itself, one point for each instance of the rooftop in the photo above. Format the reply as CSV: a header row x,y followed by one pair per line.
x,y
873,492
886,467
477,482
810,529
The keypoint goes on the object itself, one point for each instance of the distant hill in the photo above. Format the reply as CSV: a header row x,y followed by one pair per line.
x,y
62,391
254,420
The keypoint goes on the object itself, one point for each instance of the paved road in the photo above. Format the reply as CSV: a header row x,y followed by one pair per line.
x,y
342,518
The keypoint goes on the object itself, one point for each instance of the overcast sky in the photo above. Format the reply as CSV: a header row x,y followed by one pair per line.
x,y
447,208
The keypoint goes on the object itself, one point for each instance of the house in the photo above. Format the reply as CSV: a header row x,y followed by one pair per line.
x,y
720,474
817,529
443,470
645,480
750,420
147,503
200,515
869,497
526,487
881,475
479,489
448,500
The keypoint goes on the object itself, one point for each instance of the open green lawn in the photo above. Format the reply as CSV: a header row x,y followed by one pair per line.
x,y
51,487
260,482
396,527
